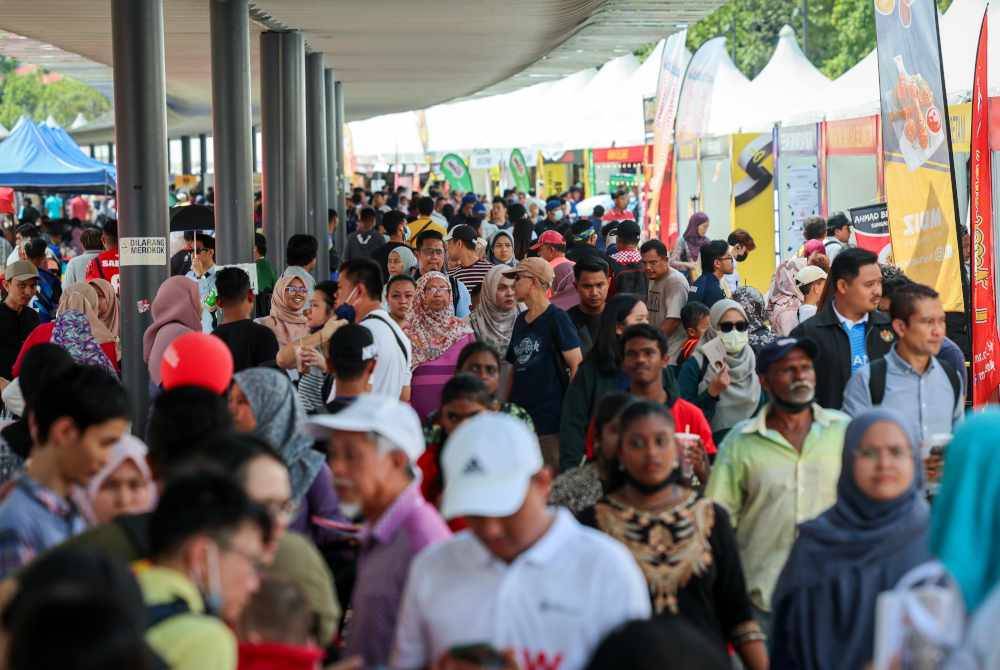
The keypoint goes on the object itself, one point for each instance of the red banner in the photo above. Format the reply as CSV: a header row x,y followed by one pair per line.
x,y
985,342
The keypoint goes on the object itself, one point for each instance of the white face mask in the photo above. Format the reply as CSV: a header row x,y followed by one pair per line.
x,y
559,215
734,341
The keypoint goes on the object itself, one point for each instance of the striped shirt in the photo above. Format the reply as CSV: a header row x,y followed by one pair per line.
x,y
473,275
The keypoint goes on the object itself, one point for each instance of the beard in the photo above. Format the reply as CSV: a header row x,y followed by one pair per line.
x,y
798,397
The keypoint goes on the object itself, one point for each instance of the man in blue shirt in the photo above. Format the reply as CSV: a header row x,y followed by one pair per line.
x,y
716,262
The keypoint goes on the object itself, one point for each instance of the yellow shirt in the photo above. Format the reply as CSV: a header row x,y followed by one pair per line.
x,y
420,225
191,641
768,488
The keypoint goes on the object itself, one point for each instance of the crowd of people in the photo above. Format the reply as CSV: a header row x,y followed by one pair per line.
x,y
502,434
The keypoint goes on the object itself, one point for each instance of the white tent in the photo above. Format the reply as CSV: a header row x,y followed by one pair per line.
x,y
730,94
785,87
78,122
3,131
594,115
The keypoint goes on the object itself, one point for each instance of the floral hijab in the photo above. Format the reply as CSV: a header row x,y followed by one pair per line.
x,y
433,332
753,304
72,332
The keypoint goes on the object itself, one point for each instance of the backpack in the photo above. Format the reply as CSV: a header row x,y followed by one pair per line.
x,y
629,278
879,369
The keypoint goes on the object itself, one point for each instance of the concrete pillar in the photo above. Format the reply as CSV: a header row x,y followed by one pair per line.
x,y
141,135
185,154
316,151
333,196
203,151
338,97
283,125
232,130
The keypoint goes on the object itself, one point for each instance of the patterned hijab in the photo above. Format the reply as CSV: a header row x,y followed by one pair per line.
x,y
491,324
433,332
72,332
110,314
83,298
280,421
753,305
287,323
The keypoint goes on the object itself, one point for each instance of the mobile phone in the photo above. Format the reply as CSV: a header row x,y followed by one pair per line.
x,y
481,654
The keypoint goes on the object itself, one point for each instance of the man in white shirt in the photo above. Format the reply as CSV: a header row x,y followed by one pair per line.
x,y
525,582
360,289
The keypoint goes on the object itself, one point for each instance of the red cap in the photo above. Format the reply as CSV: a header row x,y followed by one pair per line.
x,y
197,359
548,237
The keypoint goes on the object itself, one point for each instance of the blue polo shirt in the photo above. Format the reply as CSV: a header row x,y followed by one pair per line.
x,y
32,519
707,290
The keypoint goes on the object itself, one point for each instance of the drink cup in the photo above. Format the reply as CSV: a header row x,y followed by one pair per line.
x,y
934,446
687,442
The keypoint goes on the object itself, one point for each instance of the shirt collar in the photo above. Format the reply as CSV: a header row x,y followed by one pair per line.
x,y
844,320
405,504
542,550
758,424
894,357
47,498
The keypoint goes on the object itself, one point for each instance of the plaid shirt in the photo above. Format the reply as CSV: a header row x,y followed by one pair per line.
x,y
32,519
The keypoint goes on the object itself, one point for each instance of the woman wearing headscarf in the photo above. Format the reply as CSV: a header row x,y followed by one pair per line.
x,y
720,377
824,603
288,302
785,298
123,486
108,308
176,311
71,331
437,337
401,261
80,298
493,319
501,249
264,403
684,543
753,305
688,250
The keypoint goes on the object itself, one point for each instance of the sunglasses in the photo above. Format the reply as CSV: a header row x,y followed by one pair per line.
x,y
728,326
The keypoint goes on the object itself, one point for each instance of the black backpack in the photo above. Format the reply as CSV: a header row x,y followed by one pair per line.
x,y
879,369
629,278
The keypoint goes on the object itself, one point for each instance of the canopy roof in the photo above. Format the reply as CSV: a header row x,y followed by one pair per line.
x,y
40,157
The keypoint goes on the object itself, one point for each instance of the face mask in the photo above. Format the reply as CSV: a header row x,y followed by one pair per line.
x,y
741,258
559,215
734,341
213,597
347,311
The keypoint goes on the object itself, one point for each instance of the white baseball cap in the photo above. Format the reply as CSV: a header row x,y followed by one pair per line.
x,y
488,463
370,413
809,274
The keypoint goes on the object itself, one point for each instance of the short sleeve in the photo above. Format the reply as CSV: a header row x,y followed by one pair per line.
x,y
410,648
267,345
857,396
724,484
515,336
568,337
675,298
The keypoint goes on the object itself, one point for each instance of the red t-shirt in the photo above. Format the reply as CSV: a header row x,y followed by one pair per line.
x,y
43,334
105,266
618,215
79,208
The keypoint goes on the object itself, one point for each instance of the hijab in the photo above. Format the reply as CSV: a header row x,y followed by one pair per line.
x,y
784,297
753,304
406,256
491,324
83,298
71,331
304,275
280,421
740,399
965,525
287,323
843,559
129,448
492,257
433,332
176,311
109,316
692,238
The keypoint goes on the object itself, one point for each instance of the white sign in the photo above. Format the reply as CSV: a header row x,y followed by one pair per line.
x,y
249,268
142,251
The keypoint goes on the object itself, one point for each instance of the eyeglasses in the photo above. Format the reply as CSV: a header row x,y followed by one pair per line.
x,y
728,326
253,561
280,508
301,290
432,252
202,250
436,290
725,258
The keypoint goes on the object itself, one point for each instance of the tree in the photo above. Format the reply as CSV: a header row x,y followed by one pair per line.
x,y
27,94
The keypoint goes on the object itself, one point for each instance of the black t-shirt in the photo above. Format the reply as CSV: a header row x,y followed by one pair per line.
x,y
251,344
540,377
14,330
180,263
587,326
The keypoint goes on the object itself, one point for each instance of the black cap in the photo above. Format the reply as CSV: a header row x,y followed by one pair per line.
x,y
463,232
775,351
352,343
628,230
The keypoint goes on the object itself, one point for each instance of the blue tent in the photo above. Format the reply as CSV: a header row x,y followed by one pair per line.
x,y
36,159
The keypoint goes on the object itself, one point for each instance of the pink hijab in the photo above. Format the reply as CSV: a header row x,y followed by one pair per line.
x,y
176,311
287,323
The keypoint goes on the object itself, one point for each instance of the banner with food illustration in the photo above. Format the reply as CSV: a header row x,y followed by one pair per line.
x,y
456,172
519,171
753,204
985,340
674,61
916,149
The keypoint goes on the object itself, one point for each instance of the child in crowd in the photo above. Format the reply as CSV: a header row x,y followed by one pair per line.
x,y
278,629
694,319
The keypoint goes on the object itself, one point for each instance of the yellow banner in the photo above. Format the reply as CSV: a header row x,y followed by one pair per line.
x,y
556,179
960,120
753,204
922,229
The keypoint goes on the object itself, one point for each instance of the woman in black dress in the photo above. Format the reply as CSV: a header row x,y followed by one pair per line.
x,y
684,543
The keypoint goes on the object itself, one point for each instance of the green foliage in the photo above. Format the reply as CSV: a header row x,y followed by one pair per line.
x,y
63,99
839,32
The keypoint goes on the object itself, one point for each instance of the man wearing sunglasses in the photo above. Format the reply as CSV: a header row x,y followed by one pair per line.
x,y
716,262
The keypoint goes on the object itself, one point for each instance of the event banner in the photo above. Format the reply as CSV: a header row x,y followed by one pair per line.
x,y
916,149
871,228
798,184
519,170
456,172
694,106
985,343
660,189
753,204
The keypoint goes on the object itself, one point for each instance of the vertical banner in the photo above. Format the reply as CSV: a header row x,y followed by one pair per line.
x,y
798,184
919,184
660,187
985,343
753,203
456,172
519,171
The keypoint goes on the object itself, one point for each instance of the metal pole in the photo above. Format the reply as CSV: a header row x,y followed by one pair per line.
x,y
231,130
92,153
141,132
338,94
316,150
334,201
203,151
111,152
185,154
283,125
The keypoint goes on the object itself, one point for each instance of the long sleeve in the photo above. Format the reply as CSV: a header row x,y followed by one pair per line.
x,y
732,602
857,397
575,417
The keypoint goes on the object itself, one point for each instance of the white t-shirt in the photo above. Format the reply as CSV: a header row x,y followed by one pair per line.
x,y
553,605
666,298
806,312
392,368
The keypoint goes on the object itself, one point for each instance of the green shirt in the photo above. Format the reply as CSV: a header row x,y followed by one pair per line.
x,y
768,487
266,277
191,641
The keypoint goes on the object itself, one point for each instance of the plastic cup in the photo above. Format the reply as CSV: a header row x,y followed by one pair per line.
x,y
687,442
934,445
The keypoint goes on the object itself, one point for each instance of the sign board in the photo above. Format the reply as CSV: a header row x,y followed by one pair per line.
x,y
142,251
871,226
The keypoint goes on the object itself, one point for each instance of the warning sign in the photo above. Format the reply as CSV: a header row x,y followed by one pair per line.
x,y
142,251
